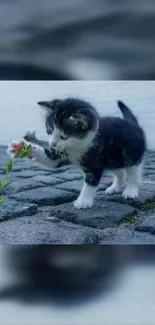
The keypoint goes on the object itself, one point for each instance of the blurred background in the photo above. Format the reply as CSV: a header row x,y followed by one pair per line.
x,y
81,40
77,285
20,113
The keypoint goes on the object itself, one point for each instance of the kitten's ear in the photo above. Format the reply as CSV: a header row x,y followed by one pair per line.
x,y
34,134
30,136
46,105
49,105
78,122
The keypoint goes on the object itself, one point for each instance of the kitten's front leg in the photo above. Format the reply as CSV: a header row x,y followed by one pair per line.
x,y
47,157
87,195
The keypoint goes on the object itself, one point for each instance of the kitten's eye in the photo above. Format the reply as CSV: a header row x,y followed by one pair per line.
x,y
49,132
63,137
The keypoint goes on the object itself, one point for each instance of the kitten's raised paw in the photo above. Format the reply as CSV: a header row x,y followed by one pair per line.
x,y
83,203
15,147
130,192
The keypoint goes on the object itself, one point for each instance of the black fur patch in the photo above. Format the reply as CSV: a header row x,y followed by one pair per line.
x,y
62,158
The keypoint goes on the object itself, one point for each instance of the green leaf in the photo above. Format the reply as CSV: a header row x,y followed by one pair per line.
x,y
9,166
25,151
28,147
2,201
1,196
8,183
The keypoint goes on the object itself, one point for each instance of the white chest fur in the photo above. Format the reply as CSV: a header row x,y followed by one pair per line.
x,y
75,156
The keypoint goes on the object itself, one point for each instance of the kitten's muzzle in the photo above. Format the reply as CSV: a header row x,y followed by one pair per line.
x,y
53,144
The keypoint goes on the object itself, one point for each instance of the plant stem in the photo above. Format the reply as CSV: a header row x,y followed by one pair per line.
x,y
7,173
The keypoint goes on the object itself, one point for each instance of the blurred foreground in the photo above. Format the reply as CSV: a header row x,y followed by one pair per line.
x,y
77,285
83,40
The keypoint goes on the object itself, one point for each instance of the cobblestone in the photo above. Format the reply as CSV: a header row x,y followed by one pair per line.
x,y
40,205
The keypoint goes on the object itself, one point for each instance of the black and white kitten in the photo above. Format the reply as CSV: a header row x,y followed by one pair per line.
x,y
79,136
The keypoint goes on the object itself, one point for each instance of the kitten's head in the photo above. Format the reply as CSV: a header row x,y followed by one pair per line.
x,y
70,123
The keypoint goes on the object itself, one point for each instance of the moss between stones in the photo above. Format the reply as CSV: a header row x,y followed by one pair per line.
x,y
1,219
130,219
149,206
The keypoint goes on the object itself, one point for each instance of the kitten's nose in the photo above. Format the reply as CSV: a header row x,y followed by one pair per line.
x,y
53,144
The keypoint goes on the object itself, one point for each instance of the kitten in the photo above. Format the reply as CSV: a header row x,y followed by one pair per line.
x,y
78,135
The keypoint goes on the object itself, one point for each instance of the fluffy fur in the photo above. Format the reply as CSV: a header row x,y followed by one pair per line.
x,y
79,136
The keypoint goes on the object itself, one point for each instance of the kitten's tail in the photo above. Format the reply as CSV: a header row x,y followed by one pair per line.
x,y
127,114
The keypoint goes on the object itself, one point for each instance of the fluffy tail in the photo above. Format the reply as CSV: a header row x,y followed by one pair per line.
x,y
127,114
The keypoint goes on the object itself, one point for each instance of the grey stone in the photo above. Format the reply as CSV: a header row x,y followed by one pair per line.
x,y
58,222
45,196
21,185
71,174
149,162
144,197
104,183
2,171
148,187
38,230
38,167
13,209
22,164
73,186
20,168
149,181
12,177
101,215
49,180
76,185
147,225
148,172
30,173
123,236
61,169
152,177
150,167
4,157
2,176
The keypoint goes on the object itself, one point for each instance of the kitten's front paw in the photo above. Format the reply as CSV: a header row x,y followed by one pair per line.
x,y
130,192
83,203
15,147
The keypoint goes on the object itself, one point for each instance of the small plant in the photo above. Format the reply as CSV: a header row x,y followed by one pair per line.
x,y
3,183
149,206
130,219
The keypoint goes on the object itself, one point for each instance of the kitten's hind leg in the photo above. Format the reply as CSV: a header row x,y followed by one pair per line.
x,y
118,183
134,176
